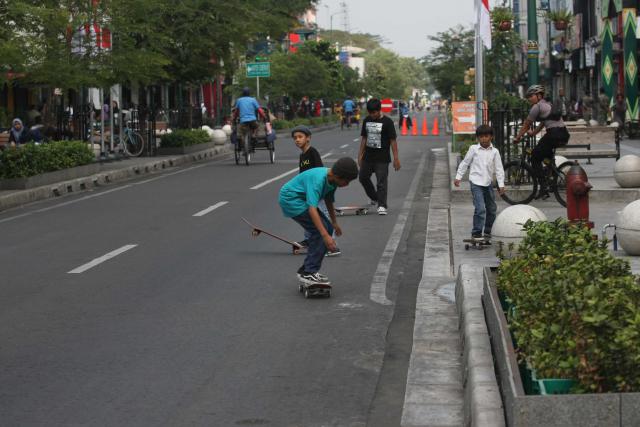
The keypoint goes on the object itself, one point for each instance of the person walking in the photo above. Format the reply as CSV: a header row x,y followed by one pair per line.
x,y
603,107
377,139
485,161
619,111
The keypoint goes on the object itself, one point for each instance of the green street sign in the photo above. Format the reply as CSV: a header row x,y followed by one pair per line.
x,y
259,69
262,58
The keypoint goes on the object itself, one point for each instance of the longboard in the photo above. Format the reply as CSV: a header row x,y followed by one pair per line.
x,y
476,244
312,290
296,248
357,210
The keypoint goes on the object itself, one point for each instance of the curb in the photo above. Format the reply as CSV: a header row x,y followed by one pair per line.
x,y
462,193
482,401
22,197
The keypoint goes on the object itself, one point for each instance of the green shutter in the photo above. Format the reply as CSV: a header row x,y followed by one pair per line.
x,y
630,63
618,5
607,59
604,12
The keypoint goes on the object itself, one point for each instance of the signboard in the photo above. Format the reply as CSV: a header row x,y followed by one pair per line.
x,y
464,116
259,69
387,105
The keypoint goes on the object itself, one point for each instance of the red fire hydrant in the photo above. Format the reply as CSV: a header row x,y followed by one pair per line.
x,y
578,195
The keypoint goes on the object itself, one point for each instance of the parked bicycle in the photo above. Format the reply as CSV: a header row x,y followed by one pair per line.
x,y
521,184
132,142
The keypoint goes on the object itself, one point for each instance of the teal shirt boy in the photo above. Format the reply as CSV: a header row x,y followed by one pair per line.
x,y
304,191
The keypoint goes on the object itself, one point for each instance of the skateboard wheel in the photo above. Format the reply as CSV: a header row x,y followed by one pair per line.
x,y
300,288
306,293
255,233
466,247
328,294
296,251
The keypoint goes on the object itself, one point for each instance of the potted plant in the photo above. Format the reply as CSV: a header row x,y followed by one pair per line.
x,y
561,18
502,17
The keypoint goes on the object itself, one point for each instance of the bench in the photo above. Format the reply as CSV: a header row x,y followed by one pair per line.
x,y
4,139
584,137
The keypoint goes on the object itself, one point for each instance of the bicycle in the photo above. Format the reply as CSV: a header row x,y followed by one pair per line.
x,y
132,142
521,184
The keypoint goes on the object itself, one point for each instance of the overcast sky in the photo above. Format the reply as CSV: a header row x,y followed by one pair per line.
x,y
404,24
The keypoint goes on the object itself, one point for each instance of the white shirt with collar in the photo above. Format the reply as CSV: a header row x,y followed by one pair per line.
x,y
485,162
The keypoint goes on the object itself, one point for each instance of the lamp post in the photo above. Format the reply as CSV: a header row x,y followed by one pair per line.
x,y
532,43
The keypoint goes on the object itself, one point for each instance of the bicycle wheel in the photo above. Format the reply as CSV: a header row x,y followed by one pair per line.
x,y
519,183
272,152
133,143
236,153
559,185
246,151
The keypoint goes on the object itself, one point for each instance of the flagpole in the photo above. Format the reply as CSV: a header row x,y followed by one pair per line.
x,y
479,63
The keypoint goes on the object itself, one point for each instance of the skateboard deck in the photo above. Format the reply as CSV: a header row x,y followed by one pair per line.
x,y
296,248
476,244
312,290
357,210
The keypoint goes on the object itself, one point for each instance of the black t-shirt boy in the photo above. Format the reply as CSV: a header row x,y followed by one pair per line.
x,y
378,134
310,159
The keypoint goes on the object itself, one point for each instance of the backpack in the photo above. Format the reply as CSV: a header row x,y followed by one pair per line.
x,y
556,111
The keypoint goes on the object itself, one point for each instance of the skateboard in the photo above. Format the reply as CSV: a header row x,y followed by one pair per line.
x,y
296,248
357,210
312,290
476,244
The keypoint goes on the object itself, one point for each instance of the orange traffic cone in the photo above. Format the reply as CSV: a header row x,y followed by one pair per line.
x,y
404,127
414,127
436,129
425,129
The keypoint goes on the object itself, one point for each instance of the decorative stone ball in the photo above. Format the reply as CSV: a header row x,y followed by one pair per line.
x,y
208,130
628,228
507,229
627,171
227,129
219,137
560,160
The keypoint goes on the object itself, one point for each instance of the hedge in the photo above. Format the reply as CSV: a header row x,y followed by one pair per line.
x,y
31,159
576,308
185,137
313,121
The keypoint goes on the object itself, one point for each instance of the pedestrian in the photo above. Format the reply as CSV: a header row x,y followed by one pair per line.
x,y
18,134
485,161
309,159
603,107
562,104
299,200
378,137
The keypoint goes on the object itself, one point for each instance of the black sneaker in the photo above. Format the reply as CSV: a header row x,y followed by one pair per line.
x,y
487,236
315,279
304,243
477,237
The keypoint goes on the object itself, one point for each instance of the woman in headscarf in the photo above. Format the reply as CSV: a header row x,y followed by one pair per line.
x,y
18,134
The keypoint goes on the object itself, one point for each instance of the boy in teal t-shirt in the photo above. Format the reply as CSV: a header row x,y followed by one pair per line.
x,y
299,199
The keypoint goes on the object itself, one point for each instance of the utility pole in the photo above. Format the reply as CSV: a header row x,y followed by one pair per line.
x,y
532,43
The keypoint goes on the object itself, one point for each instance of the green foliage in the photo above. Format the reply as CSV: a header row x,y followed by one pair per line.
x,y
31,159
185,137
577,308
501,14
369,42
564,15
388,75
465,147
501,68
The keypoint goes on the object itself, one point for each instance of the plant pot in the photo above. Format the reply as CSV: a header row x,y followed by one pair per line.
x,y
504,26
560,25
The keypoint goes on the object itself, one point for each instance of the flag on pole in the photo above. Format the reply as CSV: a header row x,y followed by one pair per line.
x,y
484,23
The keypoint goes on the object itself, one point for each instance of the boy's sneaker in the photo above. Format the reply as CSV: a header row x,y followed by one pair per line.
x,y
304,243
382,210
334,253
487,236
315,279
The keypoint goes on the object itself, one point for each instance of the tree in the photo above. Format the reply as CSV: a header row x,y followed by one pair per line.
x,y
448,61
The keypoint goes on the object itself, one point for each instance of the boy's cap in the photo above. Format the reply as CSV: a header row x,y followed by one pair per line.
x,y
346,168
301,128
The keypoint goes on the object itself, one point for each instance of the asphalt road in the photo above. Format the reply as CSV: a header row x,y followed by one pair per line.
x,y
120,307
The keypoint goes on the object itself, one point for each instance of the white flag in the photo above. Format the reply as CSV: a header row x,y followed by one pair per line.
x,y
484,23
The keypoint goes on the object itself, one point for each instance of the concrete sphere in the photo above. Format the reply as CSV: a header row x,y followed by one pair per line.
x,y
560,160
628,228
507,229
627,171
227,129
219,137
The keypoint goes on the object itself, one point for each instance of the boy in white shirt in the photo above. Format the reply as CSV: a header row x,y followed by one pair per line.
x,y
485,161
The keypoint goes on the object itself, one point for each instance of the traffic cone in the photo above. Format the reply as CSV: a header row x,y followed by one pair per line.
x,y
404,127
414,127
436,129
425,129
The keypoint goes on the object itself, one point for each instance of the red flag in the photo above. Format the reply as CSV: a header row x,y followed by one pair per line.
x,y
484,23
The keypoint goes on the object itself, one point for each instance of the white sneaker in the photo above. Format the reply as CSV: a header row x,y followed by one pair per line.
x,y
382,210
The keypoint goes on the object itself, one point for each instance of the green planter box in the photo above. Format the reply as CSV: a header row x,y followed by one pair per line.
x,y
554,386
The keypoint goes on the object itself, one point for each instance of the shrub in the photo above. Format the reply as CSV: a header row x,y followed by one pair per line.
x,y
577,308
282,124
185,137
31,159
465,147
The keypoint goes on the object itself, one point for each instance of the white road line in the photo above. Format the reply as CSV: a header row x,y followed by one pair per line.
x,y
269,181
210,209
101,259
344,146
378,292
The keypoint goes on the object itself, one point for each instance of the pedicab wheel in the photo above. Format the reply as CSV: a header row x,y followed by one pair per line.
x,y
246,149
272,152
236,154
